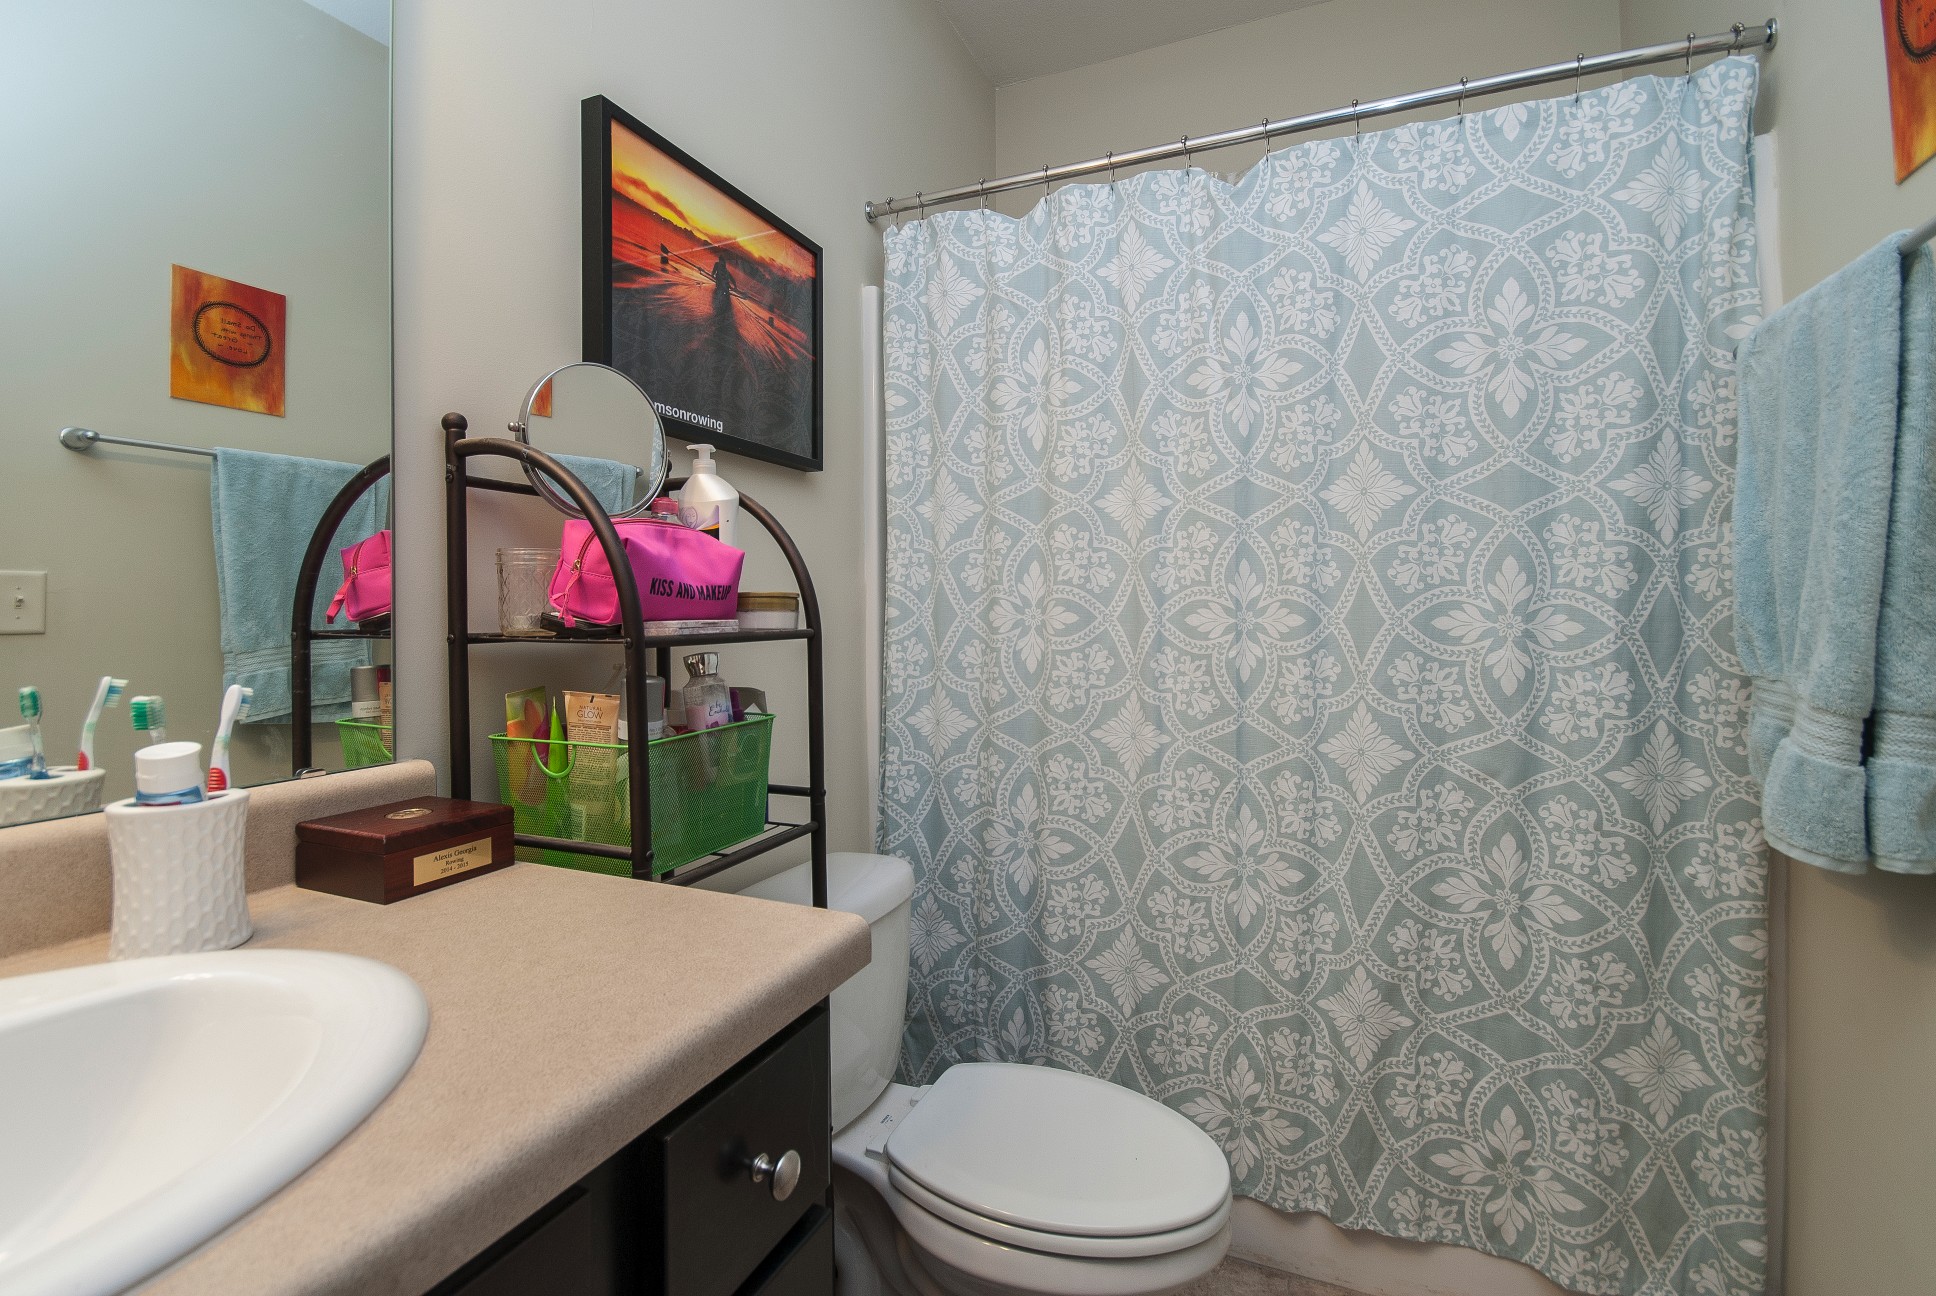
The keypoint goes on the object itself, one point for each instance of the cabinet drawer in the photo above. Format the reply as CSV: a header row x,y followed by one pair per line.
x,y
716,1224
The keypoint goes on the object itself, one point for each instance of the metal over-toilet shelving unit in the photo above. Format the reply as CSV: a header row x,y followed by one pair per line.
x,y
631,637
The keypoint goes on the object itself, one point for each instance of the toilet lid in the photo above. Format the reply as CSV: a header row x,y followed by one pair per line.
x,y
1058,1152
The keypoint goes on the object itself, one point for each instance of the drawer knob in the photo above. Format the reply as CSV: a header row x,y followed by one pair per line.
x,y
784,1173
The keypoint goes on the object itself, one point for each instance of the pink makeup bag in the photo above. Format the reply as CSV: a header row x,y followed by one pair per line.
x,y
682,574
365,591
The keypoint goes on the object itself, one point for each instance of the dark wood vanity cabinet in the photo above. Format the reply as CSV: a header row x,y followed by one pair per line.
x,y
705,1203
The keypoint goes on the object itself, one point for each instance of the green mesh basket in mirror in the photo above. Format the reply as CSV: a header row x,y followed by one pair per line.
x,y
364,744
708,793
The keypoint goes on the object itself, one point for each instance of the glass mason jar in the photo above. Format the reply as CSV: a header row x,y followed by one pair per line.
x,y
523,580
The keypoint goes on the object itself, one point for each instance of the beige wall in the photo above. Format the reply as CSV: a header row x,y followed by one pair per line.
x,y
809,108
247,138
1862,950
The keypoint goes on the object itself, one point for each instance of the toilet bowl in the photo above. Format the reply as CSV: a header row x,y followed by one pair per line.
x,y
998,1178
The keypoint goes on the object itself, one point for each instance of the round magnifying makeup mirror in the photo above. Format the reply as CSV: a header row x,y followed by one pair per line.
x,y
592,411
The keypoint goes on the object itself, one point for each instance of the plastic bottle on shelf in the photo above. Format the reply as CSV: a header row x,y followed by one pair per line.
x,y
706,502
709,703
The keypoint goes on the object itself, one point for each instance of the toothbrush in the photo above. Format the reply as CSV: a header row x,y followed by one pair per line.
x,y
30,712
106,694
235,706
150,716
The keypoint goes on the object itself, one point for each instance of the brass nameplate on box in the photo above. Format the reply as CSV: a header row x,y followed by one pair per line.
x,y
450,861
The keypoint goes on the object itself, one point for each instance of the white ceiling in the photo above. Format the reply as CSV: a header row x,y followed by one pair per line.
x,y
1014,40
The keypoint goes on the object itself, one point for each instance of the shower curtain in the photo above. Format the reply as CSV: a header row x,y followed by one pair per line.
x,y
1311,692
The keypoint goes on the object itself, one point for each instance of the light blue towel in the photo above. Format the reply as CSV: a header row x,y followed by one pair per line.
x,y
612,483
264,508
1834,561
1902,764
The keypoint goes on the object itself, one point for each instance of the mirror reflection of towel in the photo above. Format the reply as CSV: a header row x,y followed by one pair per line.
x,y
613,484
264,508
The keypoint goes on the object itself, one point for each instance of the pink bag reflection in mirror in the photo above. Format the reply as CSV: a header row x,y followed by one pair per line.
x,y
682,574
365,591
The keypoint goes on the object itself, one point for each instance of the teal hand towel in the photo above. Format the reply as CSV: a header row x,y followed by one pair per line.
x,y
1827,593
264,508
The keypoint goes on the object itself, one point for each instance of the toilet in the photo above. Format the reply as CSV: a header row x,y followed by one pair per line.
x,y
997,1178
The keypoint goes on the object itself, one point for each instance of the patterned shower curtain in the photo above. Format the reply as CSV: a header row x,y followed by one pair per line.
x,y
1311,689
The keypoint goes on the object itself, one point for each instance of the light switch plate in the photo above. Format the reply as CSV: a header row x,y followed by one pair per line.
x,y
23,602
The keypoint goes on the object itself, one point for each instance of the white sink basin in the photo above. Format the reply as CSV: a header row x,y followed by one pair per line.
x,y
147,1105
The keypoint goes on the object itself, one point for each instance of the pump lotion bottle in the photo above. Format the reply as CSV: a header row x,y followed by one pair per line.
x,y
706,502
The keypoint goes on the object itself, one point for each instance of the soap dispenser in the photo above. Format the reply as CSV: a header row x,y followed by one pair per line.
x,y
706,502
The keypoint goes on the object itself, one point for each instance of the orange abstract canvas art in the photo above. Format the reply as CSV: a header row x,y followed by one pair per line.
x,y
1909,37
226,343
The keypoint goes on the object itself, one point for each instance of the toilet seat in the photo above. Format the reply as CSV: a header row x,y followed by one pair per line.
x,y
1059,1163
1062,1244
963,1262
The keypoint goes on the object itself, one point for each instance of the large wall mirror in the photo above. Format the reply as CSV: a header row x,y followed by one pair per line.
x,y
196,242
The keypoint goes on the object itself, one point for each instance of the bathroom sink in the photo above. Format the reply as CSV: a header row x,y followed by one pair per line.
x,y
147,1105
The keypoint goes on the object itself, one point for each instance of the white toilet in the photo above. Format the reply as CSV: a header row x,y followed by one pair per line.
x,y
997,1178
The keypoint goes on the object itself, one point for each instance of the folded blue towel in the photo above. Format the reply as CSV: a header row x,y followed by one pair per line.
x,y
264,508
1833,565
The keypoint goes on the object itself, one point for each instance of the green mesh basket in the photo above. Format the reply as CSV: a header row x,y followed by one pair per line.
x,y
708,793
363,744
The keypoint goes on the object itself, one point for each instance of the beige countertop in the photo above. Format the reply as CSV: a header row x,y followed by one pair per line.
x,y
568,1012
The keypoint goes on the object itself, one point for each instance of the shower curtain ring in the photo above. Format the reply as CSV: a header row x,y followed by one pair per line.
x,y
1579,64
1462,97
1357,127
1110,158
1045,180
1734,46
1265,126
921,204
1687,62
984,193
1188,160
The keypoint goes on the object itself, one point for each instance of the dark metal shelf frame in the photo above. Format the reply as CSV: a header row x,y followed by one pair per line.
x,y
630,637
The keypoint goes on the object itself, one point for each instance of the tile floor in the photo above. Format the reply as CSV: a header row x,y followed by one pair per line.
x,y
1238,1278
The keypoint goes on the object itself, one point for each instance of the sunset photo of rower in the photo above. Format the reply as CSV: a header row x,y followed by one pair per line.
x,y
708,303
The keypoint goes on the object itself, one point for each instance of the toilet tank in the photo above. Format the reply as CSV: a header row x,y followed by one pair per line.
x,y
868,1010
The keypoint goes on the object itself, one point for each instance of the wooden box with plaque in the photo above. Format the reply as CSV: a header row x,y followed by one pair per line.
x,y
392,852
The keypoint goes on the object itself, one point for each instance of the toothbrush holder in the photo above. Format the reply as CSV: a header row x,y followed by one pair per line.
x,y
178,876
65,791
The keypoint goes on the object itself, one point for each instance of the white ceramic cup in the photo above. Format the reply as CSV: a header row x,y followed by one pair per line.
x,y
178,876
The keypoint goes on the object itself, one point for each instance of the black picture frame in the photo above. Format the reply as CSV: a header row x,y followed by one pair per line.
x,y
685,411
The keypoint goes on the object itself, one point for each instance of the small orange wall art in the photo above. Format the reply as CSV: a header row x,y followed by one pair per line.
x,y
225,343
1909,36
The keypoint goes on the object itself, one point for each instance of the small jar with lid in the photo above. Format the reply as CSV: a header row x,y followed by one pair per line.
x,y
769,610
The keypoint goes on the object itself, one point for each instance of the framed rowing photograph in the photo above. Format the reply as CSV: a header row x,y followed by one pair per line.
x,y
709,301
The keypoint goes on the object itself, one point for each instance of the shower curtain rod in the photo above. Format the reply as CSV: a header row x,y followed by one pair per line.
x,y
1740,37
